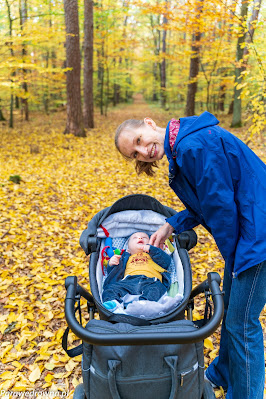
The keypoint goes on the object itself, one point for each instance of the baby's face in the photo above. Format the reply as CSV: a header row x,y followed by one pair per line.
x,y
136,242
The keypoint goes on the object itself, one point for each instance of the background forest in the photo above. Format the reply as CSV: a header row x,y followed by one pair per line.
x,y
83,68
185,56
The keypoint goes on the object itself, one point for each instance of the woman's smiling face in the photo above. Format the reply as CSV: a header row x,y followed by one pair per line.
x,y
143,144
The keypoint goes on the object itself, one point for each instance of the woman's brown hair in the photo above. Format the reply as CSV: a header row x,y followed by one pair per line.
x,y
140,166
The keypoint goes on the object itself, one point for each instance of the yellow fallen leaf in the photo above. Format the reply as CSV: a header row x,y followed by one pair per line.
x,y
49,377
7,385
19,387
30,316
70,365
17,364
208,343
48,334
213,354
3,327
7,375
56,388
7,349
46,385
49,366
59,375
35,374
75,382
21,317
49,316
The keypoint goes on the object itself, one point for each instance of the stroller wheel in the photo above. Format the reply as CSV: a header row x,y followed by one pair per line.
x,y
208,391
79,392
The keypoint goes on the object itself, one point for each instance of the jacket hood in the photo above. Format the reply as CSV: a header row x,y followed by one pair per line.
x,y
191,124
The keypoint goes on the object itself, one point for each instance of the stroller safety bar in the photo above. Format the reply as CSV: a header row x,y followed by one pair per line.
x,y
145,337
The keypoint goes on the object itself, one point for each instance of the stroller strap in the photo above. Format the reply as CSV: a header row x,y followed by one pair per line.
x,y
78,350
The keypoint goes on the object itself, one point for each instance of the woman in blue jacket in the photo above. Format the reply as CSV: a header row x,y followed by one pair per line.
x,y
222,184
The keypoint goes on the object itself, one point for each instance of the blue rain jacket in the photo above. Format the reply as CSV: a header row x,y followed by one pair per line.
x,y
222,184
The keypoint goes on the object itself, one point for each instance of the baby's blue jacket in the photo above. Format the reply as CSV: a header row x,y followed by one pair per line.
x,y
222,184
116,273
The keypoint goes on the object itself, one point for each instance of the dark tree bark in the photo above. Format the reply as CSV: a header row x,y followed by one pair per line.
x,y
88,64
100,55
237,110
2,118
242,54
74,112
156,66
23,20
252,26
49,58
221,97
231,108
194,66
163,65
10,20
117,88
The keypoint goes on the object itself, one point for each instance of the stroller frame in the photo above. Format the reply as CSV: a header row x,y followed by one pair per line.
x,y
185,241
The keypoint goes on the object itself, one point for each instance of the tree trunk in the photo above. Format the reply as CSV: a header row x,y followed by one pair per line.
x,y
46,94
116,94
128,80
163,63
88,64
10,20
221,97
251,29
74,112
2,118
23,20
193,73
101,77
163,68
231,108
237,121
156,65
107,90
118,89
194,66
155,79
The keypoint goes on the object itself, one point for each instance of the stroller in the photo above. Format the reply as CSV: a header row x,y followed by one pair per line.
x,y
132,356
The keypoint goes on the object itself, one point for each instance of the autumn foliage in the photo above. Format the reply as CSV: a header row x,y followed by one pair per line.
x,y
175,53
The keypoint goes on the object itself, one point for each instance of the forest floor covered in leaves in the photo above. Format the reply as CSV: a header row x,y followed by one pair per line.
x,y
65,181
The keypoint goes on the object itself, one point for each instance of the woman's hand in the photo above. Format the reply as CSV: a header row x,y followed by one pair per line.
x,y
159,237
114,260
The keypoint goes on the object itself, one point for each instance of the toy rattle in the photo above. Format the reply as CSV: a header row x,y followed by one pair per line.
x,y
108,251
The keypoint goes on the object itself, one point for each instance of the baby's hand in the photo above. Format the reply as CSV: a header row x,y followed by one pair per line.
x,y
114,260
146,248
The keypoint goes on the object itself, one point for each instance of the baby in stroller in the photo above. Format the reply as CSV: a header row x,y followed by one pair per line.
x,y
141,271
147,286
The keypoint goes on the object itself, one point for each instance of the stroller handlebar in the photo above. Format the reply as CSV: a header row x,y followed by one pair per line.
x,y
145,338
